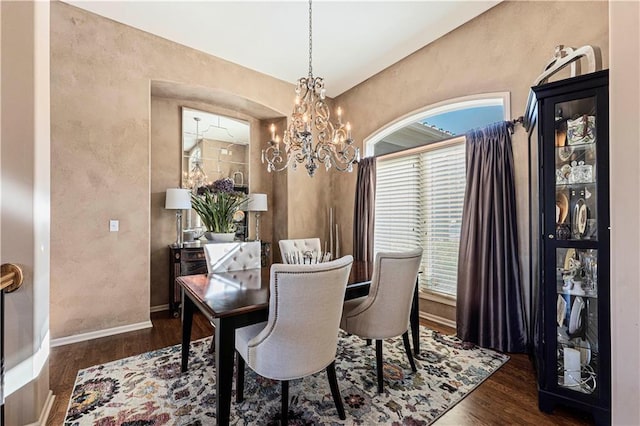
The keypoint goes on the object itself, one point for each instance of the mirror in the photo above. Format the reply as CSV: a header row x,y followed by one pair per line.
x,y
214,147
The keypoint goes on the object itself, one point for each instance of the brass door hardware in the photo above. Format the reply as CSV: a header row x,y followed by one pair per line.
x,y
11,277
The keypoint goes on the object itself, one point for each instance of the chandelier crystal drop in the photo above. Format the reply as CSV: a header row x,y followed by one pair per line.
x,y
196,177
310,118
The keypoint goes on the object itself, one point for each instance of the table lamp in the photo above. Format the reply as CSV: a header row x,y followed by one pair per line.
x,y
178,199
257,204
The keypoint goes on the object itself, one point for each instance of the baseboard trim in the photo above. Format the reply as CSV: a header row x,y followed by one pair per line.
x,y
46,409
438,319
160,308
100,333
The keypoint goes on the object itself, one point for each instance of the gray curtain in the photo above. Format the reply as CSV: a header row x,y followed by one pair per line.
x,y
489,301
364,210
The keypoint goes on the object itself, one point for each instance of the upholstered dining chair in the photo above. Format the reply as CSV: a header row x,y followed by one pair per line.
x,y
299,245
300,336
384,312
228,257
235,256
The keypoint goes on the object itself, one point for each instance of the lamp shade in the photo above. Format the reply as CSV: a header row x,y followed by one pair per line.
x,y
178,199
257,203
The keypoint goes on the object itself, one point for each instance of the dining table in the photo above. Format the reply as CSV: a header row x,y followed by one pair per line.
x,y
235,299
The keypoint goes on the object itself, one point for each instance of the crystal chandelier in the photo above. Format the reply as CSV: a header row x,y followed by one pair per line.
x,y
196,177
311,117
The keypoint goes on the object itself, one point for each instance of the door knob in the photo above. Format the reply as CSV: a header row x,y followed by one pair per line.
x,y
11,277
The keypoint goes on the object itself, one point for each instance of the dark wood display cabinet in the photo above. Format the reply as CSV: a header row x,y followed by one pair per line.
x,y
573,343
189,259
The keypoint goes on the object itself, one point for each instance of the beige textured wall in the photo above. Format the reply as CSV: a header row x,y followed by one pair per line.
x,y
504,49
101,75
308,217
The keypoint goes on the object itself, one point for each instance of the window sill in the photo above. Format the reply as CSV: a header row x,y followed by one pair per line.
x,y
444,299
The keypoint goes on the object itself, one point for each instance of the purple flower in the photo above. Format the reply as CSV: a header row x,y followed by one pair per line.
x,y
222,185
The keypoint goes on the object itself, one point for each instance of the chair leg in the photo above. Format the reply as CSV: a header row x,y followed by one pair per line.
x,y
407,348
368,342
335,390
285,403
212,348
239,378
379,364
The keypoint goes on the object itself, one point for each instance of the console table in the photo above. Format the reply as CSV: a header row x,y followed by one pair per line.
x,y
189,259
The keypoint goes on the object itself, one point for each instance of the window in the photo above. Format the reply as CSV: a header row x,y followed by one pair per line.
x,y
421,180
443,180
419,201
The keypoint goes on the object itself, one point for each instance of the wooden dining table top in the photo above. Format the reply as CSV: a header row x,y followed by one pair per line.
x,y
225,294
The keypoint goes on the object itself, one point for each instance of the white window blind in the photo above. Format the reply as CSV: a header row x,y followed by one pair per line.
x,y
442,190
419,200
397,226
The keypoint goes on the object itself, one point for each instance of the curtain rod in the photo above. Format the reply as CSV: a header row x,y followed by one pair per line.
x,y
418,149
512,123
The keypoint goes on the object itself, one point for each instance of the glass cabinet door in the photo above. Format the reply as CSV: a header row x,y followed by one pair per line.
x,y
576,219
575,170
577,319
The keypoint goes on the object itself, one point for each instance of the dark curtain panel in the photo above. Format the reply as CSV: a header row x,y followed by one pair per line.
x,y
364,210
489,302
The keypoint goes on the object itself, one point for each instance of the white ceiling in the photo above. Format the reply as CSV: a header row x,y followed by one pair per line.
x,y
352,40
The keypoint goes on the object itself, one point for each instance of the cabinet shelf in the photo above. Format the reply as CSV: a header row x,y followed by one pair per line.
x,y
241,163
567,186
578,146
217,160
561,291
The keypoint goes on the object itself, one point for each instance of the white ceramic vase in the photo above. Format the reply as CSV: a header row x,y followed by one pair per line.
x,y
220,237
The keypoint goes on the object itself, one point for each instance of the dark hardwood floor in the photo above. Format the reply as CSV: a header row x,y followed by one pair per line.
x,y
509,396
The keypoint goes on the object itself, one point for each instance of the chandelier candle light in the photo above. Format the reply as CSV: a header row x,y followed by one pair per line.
x,y
310,116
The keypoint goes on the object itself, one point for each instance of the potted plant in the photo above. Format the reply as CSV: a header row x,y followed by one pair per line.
x,y
216,205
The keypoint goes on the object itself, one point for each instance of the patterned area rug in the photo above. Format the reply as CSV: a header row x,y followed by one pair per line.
x,y
149,389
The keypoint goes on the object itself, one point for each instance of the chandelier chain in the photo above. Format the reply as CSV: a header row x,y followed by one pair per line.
x,y
310,138
310,41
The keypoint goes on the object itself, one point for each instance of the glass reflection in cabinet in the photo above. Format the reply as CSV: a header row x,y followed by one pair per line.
x,y
577,272
577,319
575,170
